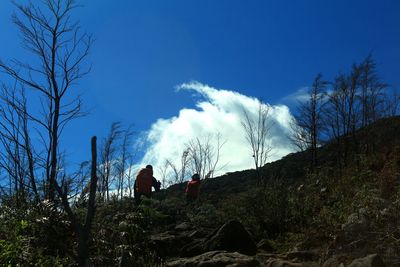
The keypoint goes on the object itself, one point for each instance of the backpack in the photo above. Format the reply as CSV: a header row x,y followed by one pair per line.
x,y
193,188
144,181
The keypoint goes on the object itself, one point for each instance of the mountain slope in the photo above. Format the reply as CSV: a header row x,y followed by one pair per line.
x,y
347,207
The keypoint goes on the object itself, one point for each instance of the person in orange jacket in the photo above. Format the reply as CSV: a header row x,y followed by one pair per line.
x,y
193,188
144,183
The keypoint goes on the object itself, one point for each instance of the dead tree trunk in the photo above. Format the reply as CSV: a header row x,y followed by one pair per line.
x,y
82,231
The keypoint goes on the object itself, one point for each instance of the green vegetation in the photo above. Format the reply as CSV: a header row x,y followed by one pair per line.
x,y
306,211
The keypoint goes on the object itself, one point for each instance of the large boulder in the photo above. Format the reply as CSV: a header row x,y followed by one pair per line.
x,y
232,237
216,259
372,260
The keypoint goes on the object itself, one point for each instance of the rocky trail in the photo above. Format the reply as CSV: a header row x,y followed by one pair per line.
x,y
232,245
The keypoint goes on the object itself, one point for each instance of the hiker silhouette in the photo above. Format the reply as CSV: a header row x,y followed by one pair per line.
x,y
144,183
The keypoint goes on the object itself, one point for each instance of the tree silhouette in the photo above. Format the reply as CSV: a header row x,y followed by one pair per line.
x,y
59,50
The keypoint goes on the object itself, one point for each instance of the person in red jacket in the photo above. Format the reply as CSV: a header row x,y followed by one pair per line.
x,y
193,188
144,183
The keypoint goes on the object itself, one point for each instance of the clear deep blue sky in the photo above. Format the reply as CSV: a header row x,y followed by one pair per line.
x,y
266,49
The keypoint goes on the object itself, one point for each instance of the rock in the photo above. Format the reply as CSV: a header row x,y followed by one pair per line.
x,y
356,224
356,245
216,259
265,246
302,255
232,237
185,226
311,241
333,262
192,249
196,234
168,244
281,263
372,260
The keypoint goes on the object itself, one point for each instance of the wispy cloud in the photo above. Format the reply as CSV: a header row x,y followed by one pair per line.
x,y
299,96
217,111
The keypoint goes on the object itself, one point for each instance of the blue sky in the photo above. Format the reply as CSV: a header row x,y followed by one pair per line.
x,y
266,49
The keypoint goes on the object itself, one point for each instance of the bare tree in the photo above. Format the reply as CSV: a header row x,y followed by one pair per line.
x,y
179,172
163,171
372,92
60,50
79,183
341,112
392,103
125,159
214,156
299,136
17,156
256,129
108,153
82,230
307,130
203,156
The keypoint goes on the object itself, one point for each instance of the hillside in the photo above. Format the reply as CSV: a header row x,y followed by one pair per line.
x,y
293,168
340,210
345,211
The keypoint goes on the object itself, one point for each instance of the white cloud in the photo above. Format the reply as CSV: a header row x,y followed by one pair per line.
x,y
300,96
217,111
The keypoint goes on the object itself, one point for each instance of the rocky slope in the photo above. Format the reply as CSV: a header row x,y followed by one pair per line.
x,y
345,215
